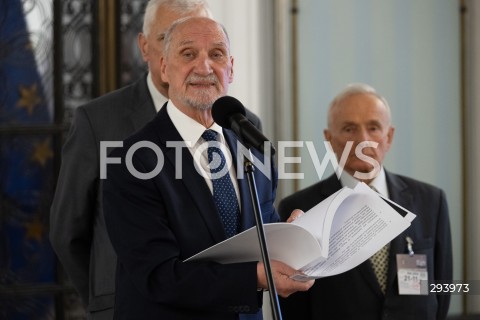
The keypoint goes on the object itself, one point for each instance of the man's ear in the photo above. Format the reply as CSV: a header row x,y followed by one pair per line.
x,y
230,76
163,69
327,134
390,134
143,46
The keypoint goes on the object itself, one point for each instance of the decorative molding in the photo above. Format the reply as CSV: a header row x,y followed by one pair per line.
x,y
107,46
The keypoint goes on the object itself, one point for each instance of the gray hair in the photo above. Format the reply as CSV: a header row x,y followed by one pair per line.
x,y
357,88
182,7
168,34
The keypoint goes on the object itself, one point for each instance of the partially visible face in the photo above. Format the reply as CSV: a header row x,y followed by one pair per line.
x,y
151,46
357,118
198,65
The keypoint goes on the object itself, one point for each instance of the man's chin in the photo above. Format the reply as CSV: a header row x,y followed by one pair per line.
x,y
200,104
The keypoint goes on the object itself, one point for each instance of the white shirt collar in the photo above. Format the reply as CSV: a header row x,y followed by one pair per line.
x,y
189,129
379,183
191,132
158,98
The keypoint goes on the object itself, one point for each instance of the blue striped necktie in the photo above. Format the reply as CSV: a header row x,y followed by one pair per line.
x,y
224,194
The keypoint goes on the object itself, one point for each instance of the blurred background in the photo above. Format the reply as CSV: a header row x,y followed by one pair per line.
x,y
291,58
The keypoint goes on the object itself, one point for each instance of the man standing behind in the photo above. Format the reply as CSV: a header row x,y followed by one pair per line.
x,y
370,291
156,221
77,228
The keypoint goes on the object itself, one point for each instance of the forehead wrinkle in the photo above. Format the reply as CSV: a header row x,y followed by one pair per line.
x,y
218,44
185,42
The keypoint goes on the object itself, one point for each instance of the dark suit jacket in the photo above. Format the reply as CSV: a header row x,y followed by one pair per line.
x,y
77,228
157,223
356,294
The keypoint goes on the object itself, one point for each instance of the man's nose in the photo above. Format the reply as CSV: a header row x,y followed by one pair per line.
x,y
203,65
362,135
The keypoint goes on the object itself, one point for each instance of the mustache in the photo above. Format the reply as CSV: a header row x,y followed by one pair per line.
x,y
211,78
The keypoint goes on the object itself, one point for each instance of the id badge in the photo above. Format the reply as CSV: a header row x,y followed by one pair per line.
x,y
412,274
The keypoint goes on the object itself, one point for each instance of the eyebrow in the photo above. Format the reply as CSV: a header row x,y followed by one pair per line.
x,y
349,123
375,122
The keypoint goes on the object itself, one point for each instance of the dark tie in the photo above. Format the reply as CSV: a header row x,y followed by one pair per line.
x,y
223,192
380,262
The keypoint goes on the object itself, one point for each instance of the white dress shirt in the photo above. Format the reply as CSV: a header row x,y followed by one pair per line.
x,y
379,183
158,98
191,132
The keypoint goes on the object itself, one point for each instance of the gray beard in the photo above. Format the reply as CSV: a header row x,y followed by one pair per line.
x,y
200,103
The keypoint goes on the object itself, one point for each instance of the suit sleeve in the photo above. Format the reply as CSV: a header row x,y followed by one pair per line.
x,y
443,255
74,202
284,209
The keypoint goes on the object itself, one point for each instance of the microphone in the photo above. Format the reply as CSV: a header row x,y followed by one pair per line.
x,y
230,113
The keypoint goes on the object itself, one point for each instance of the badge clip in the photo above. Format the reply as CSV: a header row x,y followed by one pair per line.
x,y
410,246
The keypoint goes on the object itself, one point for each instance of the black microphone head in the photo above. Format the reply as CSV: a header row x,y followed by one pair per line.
x,y
224,108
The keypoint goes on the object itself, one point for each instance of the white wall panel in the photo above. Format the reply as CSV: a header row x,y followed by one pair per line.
x,y
249,25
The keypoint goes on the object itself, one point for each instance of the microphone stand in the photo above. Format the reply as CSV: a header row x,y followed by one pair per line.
x,y
249,168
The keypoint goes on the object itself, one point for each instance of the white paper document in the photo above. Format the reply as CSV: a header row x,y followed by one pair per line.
x,y
335,236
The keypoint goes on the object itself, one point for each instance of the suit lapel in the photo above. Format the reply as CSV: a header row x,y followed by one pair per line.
x,y
399,193
398,190
192,180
